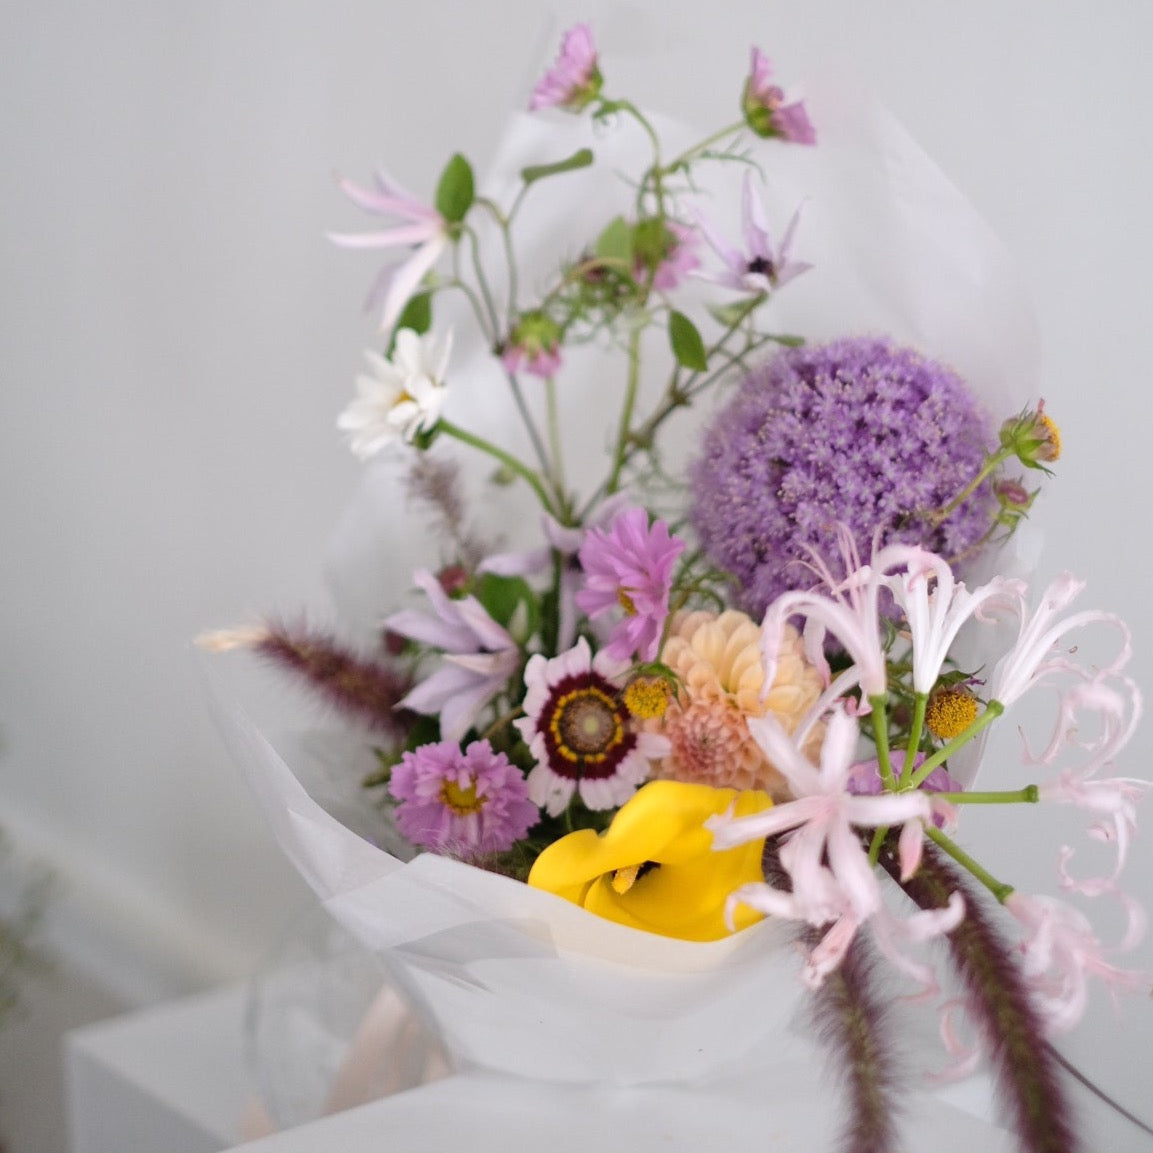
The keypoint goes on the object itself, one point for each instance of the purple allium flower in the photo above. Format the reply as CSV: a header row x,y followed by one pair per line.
x,y
467,804
766,112
629,566
762,266
574,80
858,433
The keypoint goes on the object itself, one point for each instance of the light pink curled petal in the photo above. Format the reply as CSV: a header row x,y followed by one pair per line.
x,y
402,235
729,831
407,279
910,848
427,630
829,952
510,564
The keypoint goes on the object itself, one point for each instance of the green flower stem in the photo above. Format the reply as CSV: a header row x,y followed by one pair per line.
x,y
482,284
622,452
879,705
529,424
880,833
655,172
504,224
1029,795
920,703
554,439
990,465
507,459
992,711
691,154
999,889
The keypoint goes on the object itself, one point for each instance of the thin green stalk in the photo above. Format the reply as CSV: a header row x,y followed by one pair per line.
x,y
992,711
994,461
621,452
999,889
690,154
507,459
529,424
1029,795
556,446
482,283
880,706
920,703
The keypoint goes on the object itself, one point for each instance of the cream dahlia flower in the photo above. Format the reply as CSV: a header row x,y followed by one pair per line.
x,y
718,664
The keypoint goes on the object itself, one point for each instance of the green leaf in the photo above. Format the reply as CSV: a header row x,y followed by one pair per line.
x,y
730,315
456,190
501,596
616,242
688,347
417,315
582,158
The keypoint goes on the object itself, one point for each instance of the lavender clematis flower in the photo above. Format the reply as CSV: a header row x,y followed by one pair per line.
x,y
762,266
479,657
424,229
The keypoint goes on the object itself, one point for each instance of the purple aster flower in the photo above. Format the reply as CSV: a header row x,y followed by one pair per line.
x,y
467,804
424,231
765,108
629,566
762,266
857,433
574,80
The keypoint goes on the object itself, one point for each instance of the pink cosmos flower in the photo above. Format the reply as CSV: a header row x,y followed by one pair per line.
x,y
766,111
467,804
629,566
762,266
574,79
479,657
580,733
534,345
832,879
424,231
1061,952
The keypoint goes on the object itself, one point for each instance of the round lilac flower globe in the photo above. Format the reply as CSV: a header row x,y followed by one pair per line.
x,y
857,432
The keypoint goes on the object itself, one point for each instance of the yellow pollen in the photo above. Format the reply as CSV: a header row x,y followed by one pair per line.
x,y
461,801
1051,449
950,712
624,879
647,697
626,602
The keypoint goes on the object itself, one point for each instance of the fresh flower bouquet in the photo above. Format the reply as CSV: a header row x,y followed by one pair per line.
x,y
717,705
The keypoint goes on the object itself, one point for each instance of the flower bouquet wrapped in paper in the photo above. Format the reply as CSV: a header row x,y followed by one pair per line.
x,y
692,737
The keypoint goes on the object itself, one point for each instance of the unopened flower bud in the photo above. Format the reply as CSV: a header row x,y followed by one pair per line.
x,y
1033,437
534,345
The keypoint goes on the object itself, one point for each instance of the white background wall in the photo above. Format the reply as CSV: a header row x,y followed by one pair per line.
x,y
176,338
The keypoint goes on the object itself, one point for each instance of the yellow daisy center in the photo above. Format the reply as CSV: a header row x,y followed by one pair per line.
x,y
626,602
461,801
1051,449
647,697
950,712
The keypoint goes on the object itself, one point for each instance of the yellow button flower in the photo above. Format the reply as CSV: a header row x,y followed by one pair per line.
x,y
654,867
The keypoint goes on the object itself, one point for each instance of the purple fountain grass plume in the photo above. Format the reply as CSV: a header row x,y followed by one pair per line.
x,y
436,484
854,1024
361,687
1027,1073
852,1021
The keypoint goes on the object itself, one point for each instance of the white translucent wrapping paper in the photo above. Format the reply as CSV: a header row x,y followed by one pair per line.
x,y
517,980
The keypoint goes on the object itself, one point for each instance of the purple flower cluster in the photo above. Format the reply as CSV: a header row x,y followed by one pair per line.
x,y
857,432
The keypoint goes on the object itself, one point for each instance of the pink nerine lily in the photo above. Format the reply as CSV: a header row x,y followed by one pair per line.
x,y
1061,953
425,230
936,606
479,657
762,266
832,879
